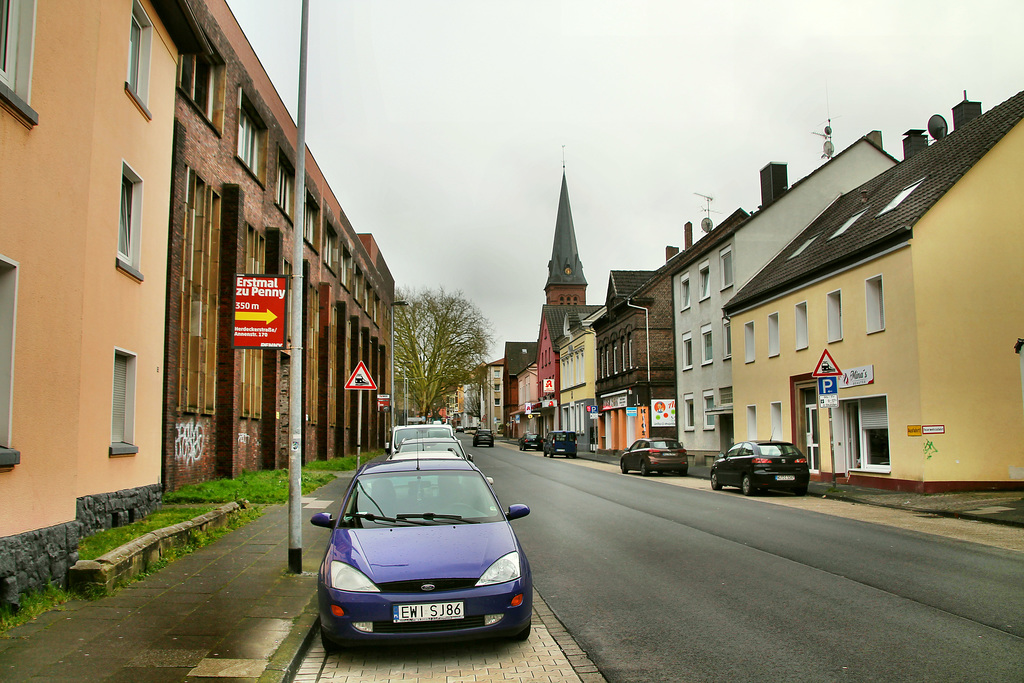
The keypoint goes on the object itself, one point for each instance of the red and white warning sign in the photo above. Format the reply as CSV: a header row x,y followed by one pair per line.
x,y
827,366
361,379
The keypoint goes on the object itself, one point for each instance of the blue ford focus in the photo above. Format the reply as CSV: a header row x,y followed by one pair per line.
x,y
422,551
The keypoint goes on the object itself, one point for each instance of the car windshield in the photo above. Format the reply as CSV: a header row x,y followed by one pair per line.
x,y
420,498
422,433
779,449
670,445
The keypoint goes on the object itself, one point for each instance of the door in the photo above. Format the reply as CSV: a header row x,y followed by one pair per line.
x,y
809,434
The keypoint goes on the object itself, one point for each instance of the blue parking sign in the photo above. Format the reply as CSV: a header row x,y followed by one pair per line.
x,y
828,385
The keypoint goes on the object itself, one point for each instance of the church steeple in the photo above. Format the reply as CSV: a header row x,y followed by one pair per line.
x,y
566,284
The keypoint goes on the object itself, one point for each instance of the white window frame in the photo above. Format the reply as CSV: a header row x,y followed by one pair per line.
x,y
725,263
123,399
684,292
898,199
727,339
131,254
773,335
140,47
800,325
17,46
834,301
750,354
8,324
285,188
688,413
709,403
252,137
686,351
751,423
707,345
874,304
704,280
776,414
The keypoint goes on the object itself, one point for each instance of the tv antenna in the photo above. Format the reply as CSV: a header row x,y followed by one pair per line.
x,y
827,148
706,223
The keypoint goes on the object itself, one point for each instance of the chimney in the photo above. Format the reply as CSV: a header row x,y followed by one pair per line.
x,y
965,112
914,141
687,235
773,183
670,252
875,138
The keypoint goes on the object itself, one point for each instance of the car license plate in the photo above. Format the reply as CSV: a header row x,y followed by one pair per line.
x,y
785,477
428,611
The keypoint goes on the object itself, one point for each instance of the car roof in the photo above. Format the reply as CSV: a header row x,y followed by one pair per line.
x,y
771,441
412,464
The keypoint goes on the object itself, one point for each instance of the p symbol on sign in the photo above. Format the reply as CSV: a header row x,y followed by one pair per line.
x,y
828,385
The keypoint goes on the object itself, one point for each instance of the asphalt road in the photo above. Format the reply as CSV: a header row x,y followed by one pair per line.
x,y
673,583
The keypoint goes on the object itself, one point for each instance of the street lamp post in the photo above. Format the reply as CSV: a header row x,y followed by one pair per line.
x,y
393,401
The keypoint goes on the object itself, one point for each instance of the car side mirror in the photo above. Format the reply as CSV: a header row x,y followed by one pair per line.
x,y
469,457
323,519
490,480
517,510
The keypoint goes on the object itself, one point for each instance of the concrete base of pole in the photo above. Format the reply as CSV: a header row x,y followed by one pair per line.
x,y
295,560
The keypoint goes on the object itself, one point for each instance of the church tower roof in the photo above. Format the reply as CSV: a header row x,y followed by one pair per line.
x,y
565,270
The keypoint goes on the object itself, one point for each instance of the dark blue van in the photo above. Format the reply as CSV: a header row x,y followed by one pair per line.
x,y
560,443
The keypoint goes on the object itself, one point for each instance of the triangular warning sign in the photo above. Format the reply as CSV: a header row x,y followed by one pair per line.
x,y
361,379
827,366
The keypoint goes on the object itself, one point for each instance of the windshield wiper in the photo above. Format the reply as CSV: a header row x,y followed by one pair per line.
x,y
380,518
430,516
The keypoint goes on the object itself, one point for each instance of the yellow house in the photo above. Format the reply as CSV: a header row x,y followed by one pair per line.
x,y
912,285
577,356
86,121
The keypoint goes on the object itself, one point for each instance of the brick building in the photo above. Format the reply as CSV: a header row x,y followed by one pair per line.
x,y
232,207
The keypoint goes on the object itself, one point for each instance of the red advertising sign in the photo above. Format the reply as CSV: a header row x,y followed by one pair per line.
x,y
260,306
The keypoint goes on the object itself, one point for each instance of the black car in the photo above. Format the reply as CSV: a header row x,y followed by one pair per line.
x,y
483,436
754,465
654,455
529,440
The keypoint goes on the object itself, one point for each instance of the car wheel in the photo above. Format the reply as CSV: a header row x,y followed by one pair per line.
x,y
747,486
801,491
645,471
522,635
328,644
682,473
622,466
715,484
521,447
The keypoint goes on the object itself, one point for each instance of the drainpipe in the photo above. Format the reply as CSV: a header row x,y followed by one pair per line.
x,y
647,338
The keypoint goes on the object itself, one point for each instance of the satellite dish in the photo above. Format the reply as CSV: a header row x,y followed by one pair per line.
x,y
828,149
706,224
937,127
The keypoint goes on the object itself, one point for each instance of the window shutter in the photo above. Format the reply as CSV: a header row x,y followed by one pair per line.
x,y
873,413
120,389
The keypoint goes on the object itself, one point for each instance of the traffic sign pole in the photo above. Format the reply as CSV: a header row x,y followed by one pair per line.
x,y
827,371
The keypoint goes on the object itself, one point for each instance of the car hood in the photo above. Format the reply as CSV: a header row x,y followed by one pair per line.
x,y
426,552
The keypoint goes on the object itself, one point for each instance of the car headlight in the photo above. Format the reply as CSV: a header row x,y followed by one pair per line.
x,y
505,568
345,577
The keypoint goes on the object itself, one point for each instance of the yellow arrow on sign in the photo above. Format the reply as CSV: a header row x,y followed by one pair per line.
x,y
265,317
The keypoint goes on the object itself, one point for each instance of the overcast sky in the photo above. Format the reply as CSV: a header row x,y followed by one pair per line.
x,y
440,124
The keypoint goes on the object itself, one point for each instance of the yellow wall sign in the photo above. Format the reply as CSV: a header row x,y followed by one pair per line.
x,y
914,430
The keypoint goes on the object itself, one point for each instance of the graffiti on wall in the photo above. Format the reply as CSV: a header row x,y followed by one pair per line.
x,y
188,444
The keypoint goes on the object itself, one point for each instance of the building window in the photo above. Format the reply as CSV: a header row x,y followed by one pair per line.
x,y
727,338
773,335
139,47
776,408
252,359
312,367
202,79
725,261
17,26
800,316
615,357
867,423
330,254
707,345
630,349
688,415
252,137
285,187
684,293
874,304
751,423
835,315
332,368
687,351
709,405
122,425
705,280
748,342
898,199
311,223
200,283
130,224
845,226
802,247
8,311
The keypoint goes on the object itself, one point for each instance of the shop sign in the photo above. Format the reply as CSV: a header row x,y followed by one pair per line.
x,y
856,377
663,412
613,402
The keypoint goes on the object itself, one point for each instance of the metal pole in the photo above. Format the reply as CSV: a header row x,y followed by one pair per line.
x,y
359,428
295,417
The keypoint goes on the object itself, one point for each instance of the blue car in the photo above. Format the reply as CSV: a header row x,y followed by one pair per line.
x,y
422,551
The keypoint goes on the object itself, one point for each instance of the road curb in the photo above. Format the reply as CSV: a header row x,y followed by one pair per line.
x,y
285,662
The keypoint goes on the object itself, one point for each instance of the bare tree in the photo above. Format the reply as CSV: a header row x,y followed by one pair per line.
x,y
440,340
